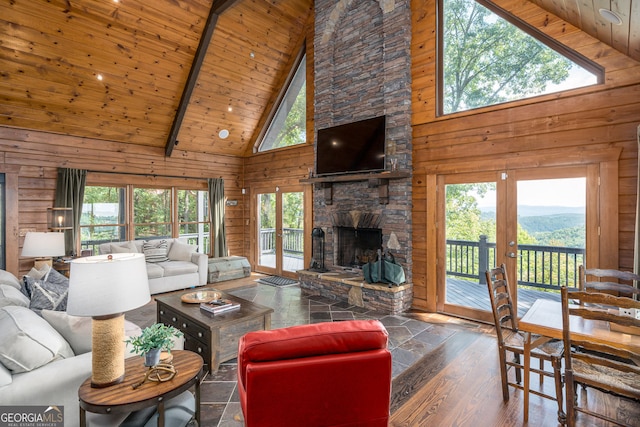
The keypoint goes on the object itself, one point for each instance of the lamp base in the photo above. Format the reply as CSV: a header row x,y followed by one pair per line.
x,y
108,350
39,262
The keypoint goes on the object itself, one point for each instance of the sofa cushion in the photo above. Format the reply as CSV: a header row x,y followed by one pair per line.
x,y
75,330
181,251
178,268
5,376
154,271
27,341
155,251
12,296
123,247
50,294
7,278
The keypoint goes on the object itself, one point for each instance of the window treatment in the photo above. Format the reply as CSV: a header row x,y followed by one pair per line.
x,y
70,194
636,246
216,209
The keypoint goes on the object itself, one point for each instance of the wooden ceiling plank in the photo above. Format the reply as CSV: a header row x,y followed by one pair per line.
x,y
634,32
620,33
216,8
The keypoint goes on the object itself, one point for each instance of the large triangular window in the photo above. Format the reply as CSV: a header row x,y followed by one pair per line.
x,y
288,125
489,57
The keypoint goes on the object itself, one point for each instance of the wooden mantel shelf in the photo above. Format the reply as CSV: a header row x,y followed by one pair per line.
x,y
376,179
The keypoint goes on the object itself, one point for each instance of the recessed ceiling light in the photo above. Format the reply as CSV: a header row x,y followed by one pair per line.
x,y
253,55
99,77
229,108
223,134
611,16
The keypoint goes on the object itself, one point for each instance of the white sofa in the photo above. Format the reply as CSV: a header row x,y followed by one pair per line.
x,y
181,268
45,358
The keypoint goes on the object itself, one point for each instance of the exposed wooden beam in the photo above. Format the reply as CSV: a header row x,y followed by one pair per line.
x,y
216,9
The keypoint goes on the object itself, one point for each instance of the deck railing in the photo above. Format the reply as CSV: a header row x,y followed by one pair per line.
x,y
543,267
292,241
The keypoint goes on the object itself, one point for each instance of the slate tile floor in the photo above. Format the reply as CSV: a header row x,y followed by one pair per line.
x,y
409,340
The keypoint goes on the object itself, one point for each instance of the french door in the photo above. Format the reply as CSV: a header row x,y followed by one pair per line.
x,y
538,222
280,238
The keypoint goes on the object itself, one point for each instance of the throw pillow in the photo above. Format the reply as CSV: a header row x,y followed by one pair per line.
x,y
155,251
50,294
12,296
75,330
7,278
126,248
27,341
181,251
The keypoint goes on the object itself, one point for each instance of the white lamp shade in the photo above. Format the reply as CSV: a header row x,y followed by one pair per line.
x,y
104,285
41,244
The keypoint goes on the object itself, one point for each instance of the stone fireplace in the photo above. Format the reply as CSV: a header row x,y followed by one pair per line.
x,y
362,54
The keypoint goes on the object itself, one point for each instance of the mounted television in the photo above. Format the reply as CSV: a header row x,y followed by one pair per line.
x,y
352,147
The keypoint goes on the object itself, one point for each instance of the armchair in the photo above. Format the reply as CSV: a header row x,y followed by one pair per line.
x,y
323,374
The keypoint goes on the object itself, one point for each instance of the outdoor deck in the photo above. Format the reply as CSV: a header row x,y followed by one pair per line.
x,y
473,294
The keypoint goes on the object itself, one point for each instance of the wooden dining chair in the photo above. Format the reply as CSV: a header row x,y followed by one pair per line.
x,y
620,283
609,366
511,343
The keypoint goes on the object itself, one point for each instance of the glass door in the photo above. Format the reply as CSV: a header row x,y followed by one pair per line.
x,y
533,221
280,231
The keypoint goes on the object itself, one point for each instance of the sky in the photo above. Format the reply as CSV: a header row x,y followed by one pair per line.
x,y
569,192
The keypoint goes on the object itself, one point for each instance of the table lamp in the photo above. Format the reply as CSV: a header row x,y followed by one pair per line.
x,y
43,246
60,219
104,287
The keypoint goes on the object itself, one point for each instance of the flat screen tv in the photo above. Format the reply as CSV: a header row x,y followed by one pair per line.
x,y
352,147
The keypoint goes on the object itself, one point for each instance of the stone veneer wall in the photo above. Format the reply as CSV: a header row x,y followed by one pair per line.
x,y
362,70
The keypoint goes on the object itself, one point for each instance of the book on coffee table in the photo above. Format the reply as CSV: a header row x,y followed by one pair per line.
x,y
219,306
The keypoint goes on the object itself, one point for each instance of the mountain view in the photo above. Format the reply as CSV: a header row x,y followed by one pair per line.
x,y
550,225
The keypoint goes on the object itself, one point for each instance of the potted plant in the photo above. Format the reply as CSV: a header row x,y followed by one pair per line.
x,y
153,340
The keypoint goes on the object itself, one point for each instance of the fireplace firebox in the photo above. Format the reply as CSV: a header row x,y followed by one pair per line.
x,y
357,246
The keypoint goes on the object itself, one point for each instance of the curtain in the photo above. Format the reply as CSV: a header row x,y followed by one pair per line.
x,y
636,245
216,209
69,194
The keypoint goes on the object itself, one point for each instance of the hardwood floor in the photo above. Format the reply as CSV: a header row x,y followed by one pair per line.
x,y
460,384
466,391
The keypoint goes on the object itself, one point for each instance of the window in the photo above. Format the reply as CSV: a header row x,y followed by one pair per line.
x,y
193,218
113,213
151,212
103,216
488,60
288,126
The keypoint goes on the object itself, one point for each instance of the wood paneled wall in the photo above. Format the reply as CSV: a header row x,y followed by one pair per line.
x,y
34,157
557,126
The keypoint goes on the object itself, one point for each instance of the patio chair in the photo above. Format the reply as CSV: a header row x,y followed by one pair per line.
x,y
603,362
511,343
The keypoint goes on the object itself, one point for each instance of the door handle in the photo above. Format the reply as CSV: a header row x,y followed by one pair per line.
x,y
512,255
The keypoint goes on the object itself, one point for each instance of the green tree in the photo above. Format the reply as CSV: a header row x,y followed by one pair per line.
x,y
488,60
464,220
294,130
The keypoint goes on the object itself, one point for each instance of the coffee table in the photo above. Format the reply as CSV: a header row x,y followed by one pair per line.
x,y
214,337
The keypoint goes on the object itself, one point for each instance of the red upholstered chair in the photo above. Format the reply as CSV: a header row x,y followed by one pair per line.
x,y
323,374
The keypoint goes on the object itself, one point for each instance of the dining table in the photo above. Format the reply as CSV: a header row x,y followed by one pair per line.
x,y
543,322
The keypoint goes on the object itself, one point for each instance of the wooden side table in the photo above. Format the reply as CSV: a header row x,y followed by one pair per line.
x,y
122,397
